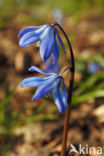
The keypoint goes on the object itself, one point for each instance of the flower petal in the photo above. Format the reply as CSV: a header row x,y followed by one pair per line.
x,y
32,82
46,31
60,97
31,28
32,36
56,51
34,68
61,42
64,88
46,44
45,88
28,39
26,30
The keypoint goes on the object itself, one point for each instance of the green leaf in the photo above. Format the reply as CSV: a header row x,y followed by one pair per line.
x,y
88,83
85,97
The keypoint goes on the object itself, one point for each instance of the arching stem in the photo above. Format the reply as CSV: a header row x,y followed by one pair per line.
x,y
64,71
70,89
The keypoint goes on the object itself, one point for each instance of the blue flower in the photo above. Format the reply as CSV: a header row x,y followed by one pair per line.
x,y
94,67
46,36
51,82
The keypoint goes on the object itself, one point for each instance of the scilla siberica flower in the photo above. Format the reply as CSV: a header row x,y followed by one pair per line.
x,y
94,67
46,35
51,82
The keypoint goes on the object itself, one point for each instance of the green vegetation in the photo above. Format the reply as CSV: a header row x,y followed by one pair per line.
x,y
92,85
36,9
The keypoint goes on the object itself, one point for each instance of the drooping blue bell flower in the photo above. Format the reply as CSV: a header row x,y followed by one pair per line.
x,y
51,82
94,67
47,35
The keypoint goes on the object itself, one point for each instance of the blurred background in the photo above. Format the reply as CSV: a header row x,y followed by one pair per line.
x,y
34,128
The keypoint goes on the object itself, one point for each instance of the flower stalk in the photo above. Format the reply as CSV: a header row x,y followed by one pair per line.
x,y
64,71
71,81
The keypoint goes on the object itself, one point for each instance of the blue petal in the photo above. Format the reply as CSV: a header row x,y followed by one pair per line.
x,y
26,30
47,29
34,68
64,88
47,44
32,82
28,39
60,97
61,43
31,28
45,88
56,51
32,37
